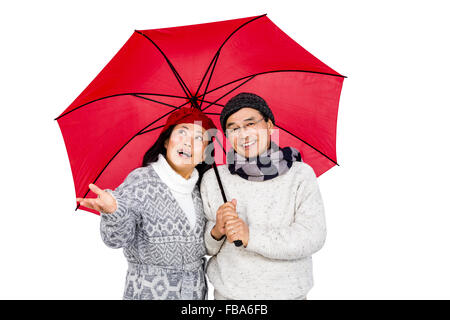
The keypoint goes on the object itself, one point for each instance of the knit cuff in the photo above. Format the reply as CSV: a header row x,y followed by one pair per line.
x,y
120,213
212,245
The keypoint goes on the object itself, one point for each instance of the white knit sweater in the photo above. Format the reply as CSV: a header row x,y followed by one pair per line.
x,y
286,223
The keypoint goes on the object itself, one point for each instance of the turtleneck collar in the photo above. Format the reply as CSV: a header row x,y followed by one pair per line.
x,y
173,179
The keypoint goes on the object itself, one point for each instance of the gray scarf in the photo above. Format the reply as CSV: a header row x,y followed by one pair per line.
x,y
270,164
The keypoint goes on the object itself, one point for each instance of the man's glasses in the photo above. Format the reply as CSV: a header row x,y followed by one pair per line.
x,y
234,131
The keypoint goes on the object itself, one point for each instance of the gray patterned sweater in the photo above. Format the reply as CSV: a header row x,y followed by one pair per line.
x,y
286,221
165,255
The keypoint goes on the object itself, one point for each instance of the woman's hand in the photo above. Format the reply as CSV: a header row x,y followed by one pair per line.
x,y
104,202
226,212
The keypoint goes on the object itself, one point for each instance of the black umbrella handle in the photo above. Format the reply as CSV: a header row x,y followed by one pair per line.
x,y
237,243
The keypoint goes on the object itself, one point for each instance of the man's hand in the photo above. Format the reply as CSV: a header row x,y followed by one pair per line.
x,y
226,212
237,229
104,202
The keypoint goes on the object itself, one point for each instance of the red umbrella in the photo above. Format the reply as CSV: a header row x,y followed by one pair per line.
x,y
111,124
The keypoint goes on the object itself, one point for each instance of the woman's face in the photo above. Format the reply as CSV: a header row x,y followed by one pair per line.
x,y
186,146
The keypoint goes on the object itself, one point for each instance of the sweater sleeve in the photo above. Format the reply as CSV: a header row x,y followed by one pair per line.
x,y
212,245
117,229
304,236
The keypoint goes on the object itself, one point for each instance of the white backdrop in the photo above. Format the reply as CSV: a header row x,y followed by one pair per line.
x,y
387,207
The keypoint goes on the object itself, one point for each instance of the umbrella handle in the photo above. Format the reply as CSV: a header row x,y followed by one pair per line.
x,y
237,243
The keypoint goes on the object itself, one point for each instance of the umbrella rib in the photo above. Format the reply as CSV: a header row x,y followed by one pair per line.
x,y
175,72
121,148
307,144
226,94
217,104
273,71
116,95
216,56
150,130
163,103
210,76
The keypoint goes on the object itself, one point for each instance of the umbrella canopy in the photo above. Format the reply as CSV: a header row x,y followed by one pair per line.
x,y
111,124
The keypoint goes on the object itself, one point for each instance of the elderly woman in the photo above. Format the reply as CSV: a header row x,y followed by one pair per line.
x,y
156,214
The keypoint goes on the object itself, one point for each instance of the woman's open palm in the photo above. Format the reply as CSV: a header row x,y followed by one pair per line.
x,y
105,202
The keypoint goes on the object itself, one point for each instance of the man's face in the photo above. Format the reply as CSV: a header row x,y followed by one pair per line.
x,y
248,132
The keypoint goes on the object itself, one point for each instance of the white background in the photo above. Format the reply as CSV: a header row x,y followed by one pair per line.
x,y
386,204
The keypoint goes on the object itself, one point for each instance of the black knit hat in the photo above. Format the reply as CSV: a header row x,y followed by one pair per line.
x,y
245,100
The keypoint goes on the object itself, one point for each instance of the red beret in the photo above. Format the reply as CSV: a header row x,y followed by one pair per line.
x,y
189,115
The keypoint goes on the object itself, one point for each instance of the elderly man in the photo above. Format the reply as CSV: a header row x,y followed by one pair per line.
x,y
276,210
